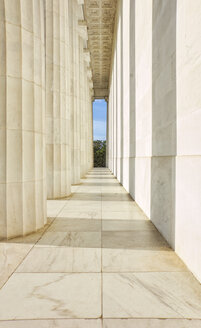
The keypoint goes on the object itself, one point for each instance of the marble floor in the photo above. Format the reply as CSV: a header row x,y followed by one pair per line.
x,y
99,262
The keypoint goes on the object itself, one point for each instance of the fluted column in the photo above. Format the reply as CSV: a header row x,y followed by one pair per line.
x,y
76,146
85,85
79,95
83,117
87,123
91,148
57,95
89,137
22,116
71,86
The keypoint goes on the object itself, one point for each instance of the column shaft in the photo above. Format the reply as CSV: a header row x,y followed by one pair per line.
x,y
57,94
22,156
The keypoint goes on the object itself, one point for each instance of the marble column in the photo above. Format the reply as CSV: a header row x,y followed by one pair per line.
x,y
89,142
71,85
90,136
75,93
88,95
83,113
58,99
89,129
22,117
86,125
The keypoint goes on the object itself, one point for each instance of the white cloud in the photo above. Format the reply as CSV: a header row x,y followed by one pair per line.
x,y
99,128
100,100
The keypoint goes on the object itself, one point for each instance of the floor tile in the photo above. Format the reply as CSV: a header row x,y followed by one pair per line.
x,y
90,190
62,259
54,207
105,181
71,239
74,188
11,255
65,224
39,295
151,295
136,214
116,197
57,323
80,213
127,225
115,206
85,197
96,234
111,190
130,260
150,323
82,204
141,239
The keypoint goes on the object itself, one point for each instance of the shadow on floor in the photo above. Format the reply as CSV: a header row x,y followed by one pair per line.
x,y
95,233
105,197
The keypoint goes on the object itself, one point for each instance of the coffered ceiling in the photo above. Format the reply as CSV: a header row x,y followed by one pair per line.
x,y
100,17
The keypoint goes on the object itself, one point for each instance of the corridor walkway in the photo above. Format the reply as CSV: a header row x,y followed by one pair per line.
x,y
98,263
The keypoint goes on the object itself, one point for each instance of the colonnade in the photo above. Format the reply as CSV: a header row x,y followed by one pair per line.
x,y
45,99
154,135
154,112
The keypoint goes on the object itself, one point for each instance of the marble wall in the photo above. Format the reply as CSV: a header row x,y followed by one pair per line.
x,y
42,96
163,117
143,103
121,103
188,160
154,142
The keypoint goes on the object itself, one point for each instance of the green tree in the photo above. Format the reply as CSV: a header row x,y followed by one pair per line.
x,y
99,153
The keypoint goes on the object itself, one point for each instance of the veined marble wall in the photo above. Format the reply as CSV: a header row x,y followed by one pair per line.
x,y
154,116
143,103
121,103
188,160
41,63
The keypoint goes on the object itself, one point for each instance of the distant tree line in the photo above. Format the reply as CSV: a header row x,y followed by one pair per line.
x,y
99,153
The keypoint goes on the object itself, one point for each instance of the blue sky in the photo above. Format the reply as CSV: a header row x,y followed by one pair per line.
x,y
99,119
